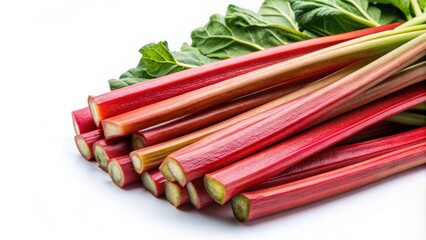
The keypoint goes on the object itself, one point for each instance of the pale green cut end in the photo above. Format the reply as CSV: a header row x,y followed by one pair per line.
x,y
116,173
172,192
101,156
137,163
149,184
176,171
240,207
164,169
94,111
83,148
75,125
111,129
215,189
138,142
193,196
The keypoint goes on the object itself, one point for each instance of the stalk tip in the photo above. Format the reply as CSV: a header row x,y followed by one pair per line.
x,y
82,147
172,192
215,189
149,184
176,171
111,129
240,207
138,141
193,196
137,163
164,169
94,110
116,173
100,156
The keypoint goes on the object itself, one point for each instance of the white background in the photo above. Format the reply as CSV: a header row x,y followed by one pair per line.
x,y
53,54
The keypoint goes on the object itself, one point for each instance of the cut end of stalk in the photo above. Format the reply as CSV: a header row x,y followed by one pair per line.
x,y
176,171
241,207
111,129
137,163
138,141
94,111
164,169
193,196
101,156
149,184
116,173
75,125
215,189
83,148
172,192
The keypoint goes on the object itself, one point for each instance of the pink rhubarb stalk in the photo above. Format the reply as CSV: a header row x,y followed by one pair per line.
x,y
121,171
83,121
85,141
154,182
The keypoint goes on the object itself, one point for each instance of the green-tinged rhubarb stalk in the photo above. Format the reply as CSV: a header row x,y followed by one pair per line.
x,y
292,70
251,135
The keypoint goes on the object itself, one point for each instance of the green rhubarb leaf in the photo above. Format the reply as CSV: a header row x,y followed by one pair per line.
x,y
217,40
241,17
335,16
279,12
159,60
402,5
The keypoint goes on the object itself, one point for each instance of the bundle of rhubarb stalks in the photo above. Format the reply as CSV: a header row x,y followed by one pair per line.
x,y
269,130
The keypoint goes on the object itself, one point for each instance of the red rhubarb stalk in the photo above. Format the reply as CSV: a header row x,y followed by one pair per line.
x,y
176,194
194,122
152,157
338,157
296,69
85,142
250,205
198,195
121,171
154,181
105,150
83,121
142,94
253,134
226,182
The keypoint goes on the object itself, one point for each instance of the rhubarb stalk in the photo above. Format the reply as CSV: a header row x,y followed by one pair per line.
x,y
253,134
154,181
145,93
250,205
83,121
105,150
85,141
292,70
194,122
121,171
226,182
198,195
342,156
176,194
